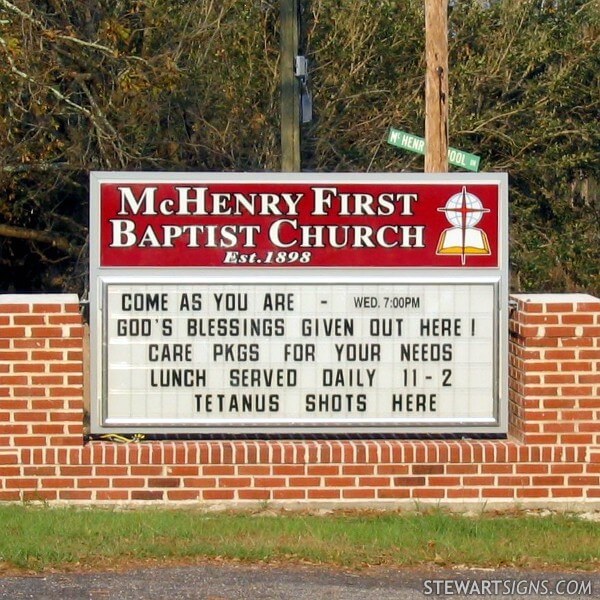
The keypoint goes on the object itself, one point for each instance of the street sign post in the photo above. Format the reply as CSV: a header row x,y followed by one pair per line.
x,y
414,143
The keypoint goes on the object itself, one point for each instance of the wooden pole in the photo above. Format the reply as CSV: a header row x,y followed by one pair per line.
x,y
290,87
436,86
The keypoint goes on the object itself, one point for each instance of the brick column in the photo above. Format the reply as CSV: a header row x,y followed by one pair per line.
x,y
555,369
41,389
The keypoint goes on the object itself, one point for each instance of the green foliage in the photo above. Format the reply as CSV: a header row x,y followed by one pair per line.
x,y
172,85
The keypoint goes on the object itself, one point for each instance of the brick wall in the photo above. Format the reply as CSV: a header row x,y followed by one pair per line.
x,y
552,453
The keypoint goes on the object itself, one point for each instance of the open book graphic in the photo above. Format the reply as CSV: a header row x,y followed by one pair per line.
x,y
463,241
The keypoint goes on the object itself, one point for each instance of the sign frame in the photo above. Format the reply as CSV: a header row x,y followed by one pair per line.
x,y
101,276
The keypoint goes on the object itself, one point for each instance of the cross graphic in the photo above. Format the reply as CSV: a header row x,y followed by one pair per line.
x,y
463,210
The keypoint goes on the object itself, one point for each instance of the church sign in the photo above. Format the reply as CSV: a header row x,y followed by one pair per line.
x,y
298,303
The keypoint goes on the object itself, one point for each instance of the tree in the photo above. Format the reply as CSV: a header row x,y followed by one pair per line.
x,y
115,85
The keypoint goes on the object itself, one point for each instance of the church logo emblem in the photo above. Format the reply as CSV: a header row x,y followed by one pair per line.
x,y
463,211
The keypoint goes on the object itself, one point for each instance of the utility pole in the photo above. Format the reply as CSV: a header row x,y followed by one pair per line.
x,y
436,86
290,87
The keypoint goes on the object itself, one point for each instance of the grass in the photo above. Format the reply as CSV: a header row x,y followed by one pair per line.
x,y
42,538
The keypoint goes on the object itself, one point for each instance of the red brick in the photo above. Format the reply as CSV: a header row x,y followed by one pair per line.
x,y
576,365
147,495
179,495
288,494
265,482
12,332
559,378
64,367
29,392
409,481
66,440
146,470
47,429
57,482
217,494
76,470
537,319
21,483
260,470
254,494
128,482
288,470
577,438
373,481
64,319
322,470
559,427
585,480
166,482
218,470
428,469
304,481
9,495
542,439
392,469
393,493
565,492
47,355
565,468
489,469
64,343
533,492
93,482
8,459
358,494
427,493
577,415
324,494
358,469
462,469
547,480
46,332
340,481
444,481
234,482
463,493
11,380
200,482
112,495
10,471
498,492
477,481
75,495
39,495
13,356
30,440
47,308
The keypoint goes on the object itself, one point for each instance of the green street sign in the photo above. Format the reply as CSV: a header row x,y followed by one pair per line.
x,y
414,143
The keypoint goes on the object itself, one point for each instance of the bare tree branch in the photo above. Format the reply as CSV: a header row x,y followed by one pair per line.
x,y
35,235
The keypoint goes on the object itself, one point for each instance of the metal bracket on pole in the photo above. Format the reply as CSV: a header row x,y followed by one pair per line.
x,y
301,73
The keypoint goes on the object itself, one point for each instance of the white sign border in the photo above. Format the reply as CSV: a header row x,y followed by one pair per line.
x,y
402,276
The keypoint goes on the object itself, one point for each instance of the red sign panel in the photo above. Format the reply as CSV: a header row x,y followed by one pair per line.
x,y
308,224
